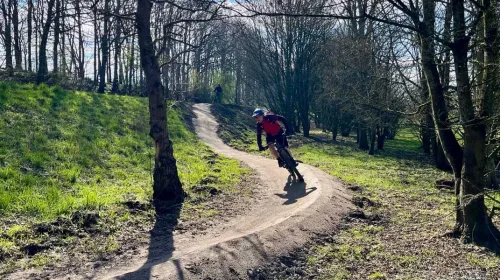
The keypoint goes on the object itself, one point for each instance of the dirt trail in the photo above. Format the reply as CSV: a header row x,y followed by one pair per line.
x,y
288,215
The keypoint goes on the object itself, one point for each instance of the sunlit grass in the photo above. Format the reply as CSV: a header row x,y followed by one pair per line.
x,y
63,151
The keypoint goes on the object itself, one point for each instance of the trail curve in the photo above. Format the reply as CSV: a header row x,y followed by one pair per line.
x,y
287,217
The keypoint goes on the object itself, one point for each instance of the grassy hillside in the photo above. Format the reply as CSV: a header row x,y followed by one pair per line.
x,y
66,153
400,236
236,127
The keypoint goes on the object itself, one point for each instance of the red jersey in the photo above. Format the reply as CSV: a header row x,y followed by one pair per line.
x,y
270,125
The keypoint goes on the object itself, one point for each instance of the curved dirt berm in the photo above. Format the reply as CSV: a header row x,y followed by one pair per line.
x,y
287,217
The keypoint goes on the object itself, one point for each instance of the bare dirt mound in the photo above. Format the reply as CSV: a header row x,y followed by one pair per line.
x,y
288,216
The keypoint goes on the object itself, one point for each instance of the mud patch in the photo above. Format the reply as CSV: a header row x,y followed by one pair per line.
x,y
354,188
205,189
135,205
362,202
85,218
209,180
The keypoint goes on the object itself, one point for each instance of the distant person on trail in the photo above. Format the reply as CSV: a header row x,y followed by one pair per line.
x,y
275,127
218,94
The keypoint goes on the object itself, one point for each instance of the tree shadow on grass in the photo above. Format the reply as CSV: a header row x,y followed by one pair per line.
x,y
161,244
295,190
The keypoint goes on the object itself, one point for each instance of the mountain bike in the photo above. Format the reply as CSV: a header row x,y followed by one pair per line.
x,y
289,163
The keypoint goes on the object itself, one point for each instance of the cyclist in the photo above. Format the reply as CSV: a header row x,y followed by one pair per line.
x,y
275,128
218,94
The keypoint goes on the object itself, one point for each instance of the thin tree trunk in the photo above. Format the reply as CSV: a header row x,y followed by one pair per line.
x,y
30,31
363,138
373,138
132,65
56,37
335,128
166,186
6,11
17,43
426,123
116,86
104,49
382,135
43,69
96,42
63,38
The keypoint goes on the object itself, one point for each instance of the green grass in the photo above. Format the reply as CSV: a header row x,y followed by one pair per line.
x,y
401,181
237,128
65,152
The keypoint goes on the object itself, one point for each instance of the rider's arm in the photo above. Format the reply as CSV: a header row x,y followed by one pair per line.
x,y
259,136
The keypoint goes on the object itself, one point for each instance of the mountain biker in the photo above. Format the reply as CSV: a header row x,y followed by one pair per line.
x,y
275,127
218,94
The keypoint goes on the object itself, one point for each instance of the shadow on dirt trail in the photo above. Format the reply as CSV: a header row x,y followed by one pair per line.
x,y
161,245
294,191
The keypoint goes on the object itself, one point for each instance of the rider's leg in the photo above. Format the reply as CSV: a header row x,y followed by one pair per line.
x,y
275,154
290,153
273,151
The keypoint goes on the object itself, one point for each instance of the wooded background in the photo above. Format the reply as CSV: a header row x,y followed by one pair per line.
x,y
364,66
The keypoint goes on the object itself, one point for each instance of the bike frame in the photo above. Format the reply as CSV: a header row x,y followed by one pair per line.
x,y
280,147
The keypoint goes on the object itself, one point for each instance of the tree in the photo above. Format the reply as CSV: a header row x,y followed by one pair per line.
x,y
166,186
7,34
30,32
17,43
43,69
104,48
281,55
118,42
57,29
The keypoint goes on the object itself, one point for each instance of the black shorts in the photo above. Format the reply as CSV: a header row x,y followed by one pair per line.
x,y
278,138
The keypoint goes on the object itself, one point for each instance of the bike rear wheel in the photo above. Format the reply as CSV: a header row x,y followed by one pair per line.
x,y
290,164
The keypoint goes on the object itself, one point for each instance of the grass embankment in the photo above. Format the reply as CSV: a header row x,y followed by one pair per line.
x,y
407,242
75,168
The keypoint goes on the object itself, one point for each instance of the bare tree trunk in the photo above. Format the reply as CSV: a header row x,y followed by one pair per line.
x,y
363,137
132,64
43,69
167,185
81,48
477,226
373,138
490,84
17,43
382,135
335,128
96,42
56,37
6,11
63,38
450,145
30,31
426,123
104,49
116,85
